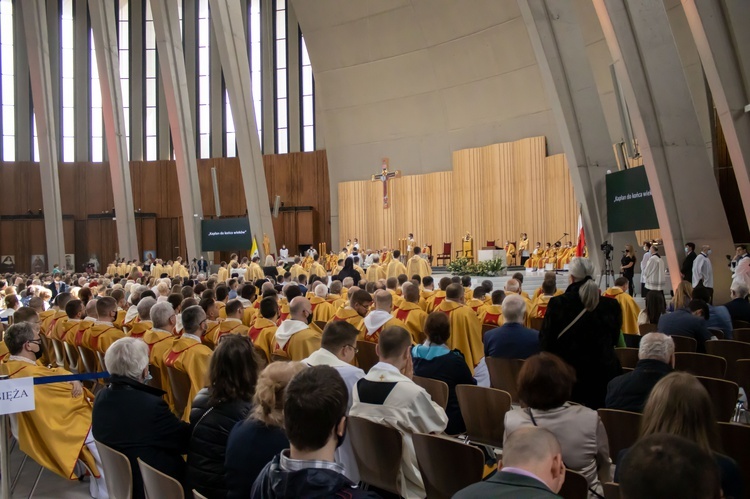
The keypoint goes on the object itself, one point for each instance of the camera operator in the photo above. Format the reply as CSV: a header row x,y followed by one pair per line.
x,y
627,264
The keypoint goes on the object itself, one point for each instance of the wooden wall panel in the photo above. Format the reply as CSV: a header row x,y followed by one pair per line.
x,y
494,192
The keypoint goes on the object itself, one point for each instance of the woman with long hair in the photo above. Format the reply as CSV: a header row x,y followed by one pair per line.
x,y
682,296
254,442
233,375
656,306
680,405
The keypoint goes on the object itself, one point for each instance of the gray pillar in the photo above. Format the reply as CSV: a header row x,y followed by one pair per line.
x,y
102,14
35,24
721,65
679,171
226,18
174,81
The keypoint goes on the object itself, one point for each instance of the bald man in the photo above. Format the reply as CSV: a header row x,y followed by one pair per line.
x,y
410,313
294,338
322,310
380,318
466,330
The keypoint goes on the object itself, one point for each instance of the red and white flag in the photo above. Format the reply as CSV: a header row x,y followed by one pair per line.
x,y
581,237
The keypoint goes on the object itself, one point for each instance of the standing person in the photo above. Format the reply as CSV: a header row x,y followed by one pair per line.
x,y
583,328
653,274
686,271
739,255
703,272
644,262
523,248
628,267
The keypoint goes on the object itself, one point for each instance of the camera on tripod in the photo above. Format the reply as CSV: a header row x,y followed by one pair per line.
x,y
607,250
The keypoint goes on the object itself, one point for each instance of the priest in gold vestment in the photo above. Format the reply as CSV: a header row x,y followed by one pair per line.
x,y
466,330
395,267
417,265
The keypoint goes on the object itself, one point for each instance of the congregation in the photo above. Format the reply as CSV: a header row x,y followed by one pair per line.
x,y
261,376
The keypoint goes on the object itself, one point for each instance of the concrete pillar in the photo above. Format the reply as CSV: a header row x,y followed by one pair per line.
x,y
685,193
174,81
37,45
721,65
226,18
102,15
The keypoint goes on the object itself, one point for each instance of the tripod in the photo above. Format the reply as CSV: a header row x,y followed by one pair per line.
x,y
607,272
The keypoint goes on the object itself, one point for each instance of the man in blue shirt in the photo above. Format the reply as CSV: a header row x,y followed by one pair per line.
x,y
690,322
512,340
719,315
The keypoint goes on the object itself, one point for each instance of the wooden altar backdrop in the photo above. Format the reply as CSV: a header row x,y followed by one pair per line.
x,y
494,192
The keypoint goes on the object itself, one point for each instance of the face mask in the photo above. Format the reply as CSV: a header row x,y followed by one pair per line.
x,y
38,354
645,248
309,318
687,250
708,252
148,377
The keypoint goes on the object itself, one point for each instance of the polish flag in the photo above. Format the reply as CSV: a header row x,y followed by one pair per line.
x,y
581,237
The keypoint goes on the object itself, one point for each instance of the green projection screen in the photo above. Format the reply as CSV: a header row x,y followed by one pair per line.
x,y
226,234
629,202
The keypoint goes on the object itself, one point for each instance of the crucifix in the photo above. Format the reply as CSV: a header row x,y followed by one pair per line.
x,y
384,177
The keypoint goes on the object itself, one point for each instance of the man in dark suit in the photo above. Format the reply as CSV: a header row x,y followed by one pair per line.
x,y
739,307
57,286
630,391
512,340
690,322
202,265
532,468
133,418
687,265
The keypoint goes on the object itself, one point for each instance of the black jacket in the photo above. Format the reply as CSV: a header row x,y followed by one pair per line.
x,y
588,346
205,463
507,485
739,309
133,418
630,391
687,266
310,483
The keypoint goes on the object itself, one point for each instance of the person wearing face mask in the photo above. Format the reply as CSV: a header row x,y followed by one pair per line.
x,y
315,422
62,415
703,272
132,417
338,348
294,338
189,355
686,271
103,333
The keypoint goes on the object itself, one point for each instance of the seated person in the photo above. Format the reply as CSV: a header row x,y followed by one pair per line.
x,y
739,307
656,306
545,384
680,405
315,422
532,467
492,313
690,322
648,471
512,340
436,361
629,391
62,416
133,418
719,317
294,338
540,303
388,395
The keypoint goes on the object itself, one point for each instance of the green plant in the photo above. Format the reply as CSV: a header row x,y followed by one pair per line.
x,y
464,266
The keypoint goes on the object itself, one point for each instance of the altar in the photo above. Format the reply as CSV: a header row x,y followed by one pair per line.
x,y
491,254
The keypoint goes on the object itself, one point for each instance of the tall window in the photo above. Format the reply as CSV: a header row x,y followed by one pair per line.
x,y
150,46
97,119
34,139
123,44
256,66
7,70
308,98
282,114
67,75
231,146
204,81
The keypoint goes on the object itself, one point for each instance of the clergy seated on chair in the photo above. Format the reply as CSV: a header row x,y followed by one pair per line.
x,y
231,325
263,330
392,285
315,421
74,313
159,340
354,313
338,347
629,391
144,323
417,264
103,333
433,359
294,338
135,297
188,354
541,301
410,313
380,318
532,468
119,297
388,395
630,310
476,302
133,418
512,340
492,314
439,296
57,433
322,310
466,330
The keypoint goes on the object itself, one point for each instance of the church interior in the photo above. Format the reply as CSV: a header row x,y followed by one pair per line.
x,y
486,192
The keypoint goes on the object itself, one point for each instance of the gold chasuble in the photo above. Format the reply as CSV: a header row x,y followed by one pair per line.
x,y
296,270
223,274
295,340
254,273
375,272
159,342
466,332
101,336
231,326
491,315
54,434
336,301
412,315
189,355
418,265
318,270
435,300
351,316
395,269
539,309
630,310
263,335
140,328
321,309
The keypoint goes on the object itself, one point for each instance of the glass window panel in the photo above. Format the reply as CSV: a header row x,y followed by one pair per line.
x,y
203,61
9,120
205,118
283,145
280,4
125,87
203,9
231,145
9,148
96,95
7,55
280,25
307,111
124,63
68,91
151,63
150,35
204,91
256,83
203,33
126,115
150,148
151,90
281,117
124,10
255,56
97,155
309,138
150,120
307,80
149,14
96,123
205,146
8,89
68,149
280,54
281,83
6,25
67,60
69,124
304,54
66,34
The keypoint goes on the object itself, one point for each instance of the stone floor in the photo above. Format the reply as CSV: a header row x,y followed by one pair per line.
x,y
51,486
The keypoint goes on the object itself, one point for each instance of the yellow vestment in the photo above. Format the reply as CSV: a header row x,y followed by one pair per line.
x,y
466,332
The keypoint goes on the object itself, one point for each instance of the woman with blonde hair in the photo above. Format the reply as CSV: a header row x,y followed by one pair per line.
x,y
682,296
680,405
254,442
